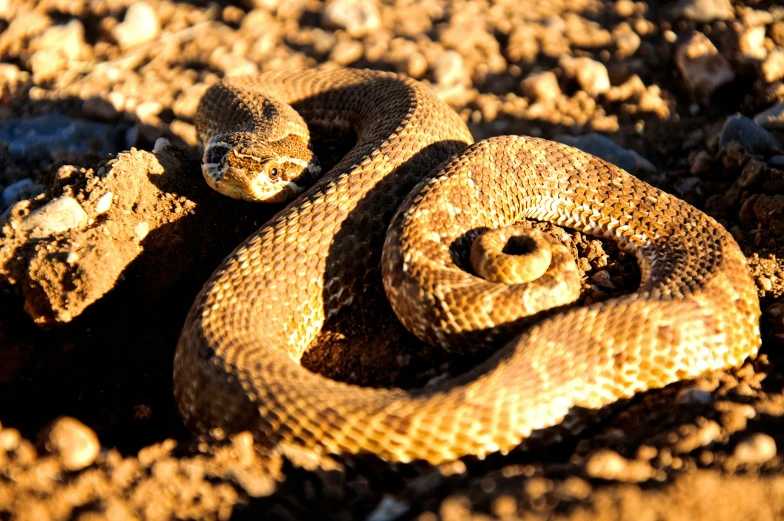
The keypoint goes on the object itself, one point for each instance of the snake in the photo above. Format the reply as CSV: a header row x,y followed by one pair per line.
x,y
403,208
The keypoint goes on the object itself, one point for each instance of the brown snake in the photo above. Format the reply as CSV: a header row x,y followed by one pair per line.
x,y
237,362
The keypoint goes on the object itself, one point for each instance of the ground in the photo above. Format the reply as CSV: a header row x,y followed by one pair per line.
x,y
96,127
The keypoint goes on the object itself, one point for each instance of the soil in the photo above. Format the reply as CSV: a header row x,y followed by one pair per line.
x,y
91,310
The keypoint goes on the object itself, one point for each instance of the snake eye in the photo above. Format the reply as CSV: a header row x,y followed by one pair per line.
x,y
273,173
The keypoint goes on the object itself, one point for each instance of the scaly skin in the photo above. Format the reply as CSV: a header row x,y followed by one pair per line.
x,y
237,362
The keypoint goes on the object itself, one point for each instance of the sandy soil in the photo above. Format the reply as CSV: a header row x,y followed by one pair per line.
x,y
108,232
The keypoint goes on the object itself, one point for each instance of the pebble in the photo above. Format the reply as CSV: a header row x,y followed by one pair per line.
x,y
40,139
590,74
751,173
751,43
701,65
609,465
19,191
388,508
772,117
605,148
777,162
693,395
46,64
703,11
140,25
357,17
346,52
772,68
59,215
76,444
449,68
541,86
754,139
104,203
757,449
67,39
626,40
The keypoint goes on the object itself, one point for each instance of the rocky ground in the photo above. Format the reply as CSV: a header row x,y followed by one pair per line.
x,y
108,232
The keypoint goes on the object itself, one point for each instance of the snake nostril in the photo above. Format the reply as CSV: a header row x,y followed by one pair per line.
x,y
216,153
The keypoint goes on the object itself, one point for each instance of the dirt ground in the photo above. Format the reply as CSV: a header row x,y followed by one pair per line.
x,y
108,232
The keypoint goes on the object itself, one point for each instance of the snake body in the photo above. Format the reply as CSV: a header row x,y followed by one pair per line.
x,y
237,361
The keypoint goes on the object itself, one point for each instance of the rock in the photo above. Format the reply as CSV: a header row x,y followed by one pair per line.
x,y
590,74
703,11
346,52
356,17
757,449
19,191
449,68
541,86
46,64
605,148
66,39
41,138
751,43
772,117
626,40
388,509
754,139
702,67
140,25
57,216
777,162
772,68
74,443
609,465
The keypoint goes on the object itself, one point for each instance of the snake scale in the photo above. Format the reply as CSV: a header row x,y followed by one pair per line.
x,y
237,361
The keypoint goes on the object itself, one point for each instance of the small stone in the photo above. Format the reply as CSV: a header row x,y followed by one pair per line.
x,y
141,230
751,43
703,69
751,173
686,184
104,203
140,25
777,33
754,139
626,40
416,65
772,68
693,396
67,39
765,283
357,17
388,509
46,64
449,68
609,465
346,52
19,191
777,162
541,86
76,444
605,148
603,279
772,117
57,216
703,11
590,74
757,449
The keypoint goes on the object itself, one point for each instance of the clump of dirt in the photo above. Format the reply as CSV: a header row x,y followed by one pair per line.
x,y
108,232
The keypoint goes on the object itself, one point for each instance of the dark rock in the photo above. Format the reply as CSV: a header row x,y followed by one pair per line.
x,y
41,138
605,148
754,139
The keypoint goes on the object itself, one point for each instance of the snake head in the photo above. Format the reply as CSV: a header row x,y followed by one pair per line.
x,y
243,167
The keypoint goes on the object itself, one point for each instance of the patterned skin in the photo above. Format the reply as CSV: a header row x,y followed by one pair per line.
x,y
237,361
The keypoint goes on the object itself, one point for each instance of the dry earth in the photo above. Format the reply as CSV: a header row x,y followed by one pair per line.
x,y
113,232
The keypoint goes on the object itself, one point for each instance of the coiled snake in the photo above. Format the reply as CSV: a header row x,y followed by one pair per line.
x,y
236,365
